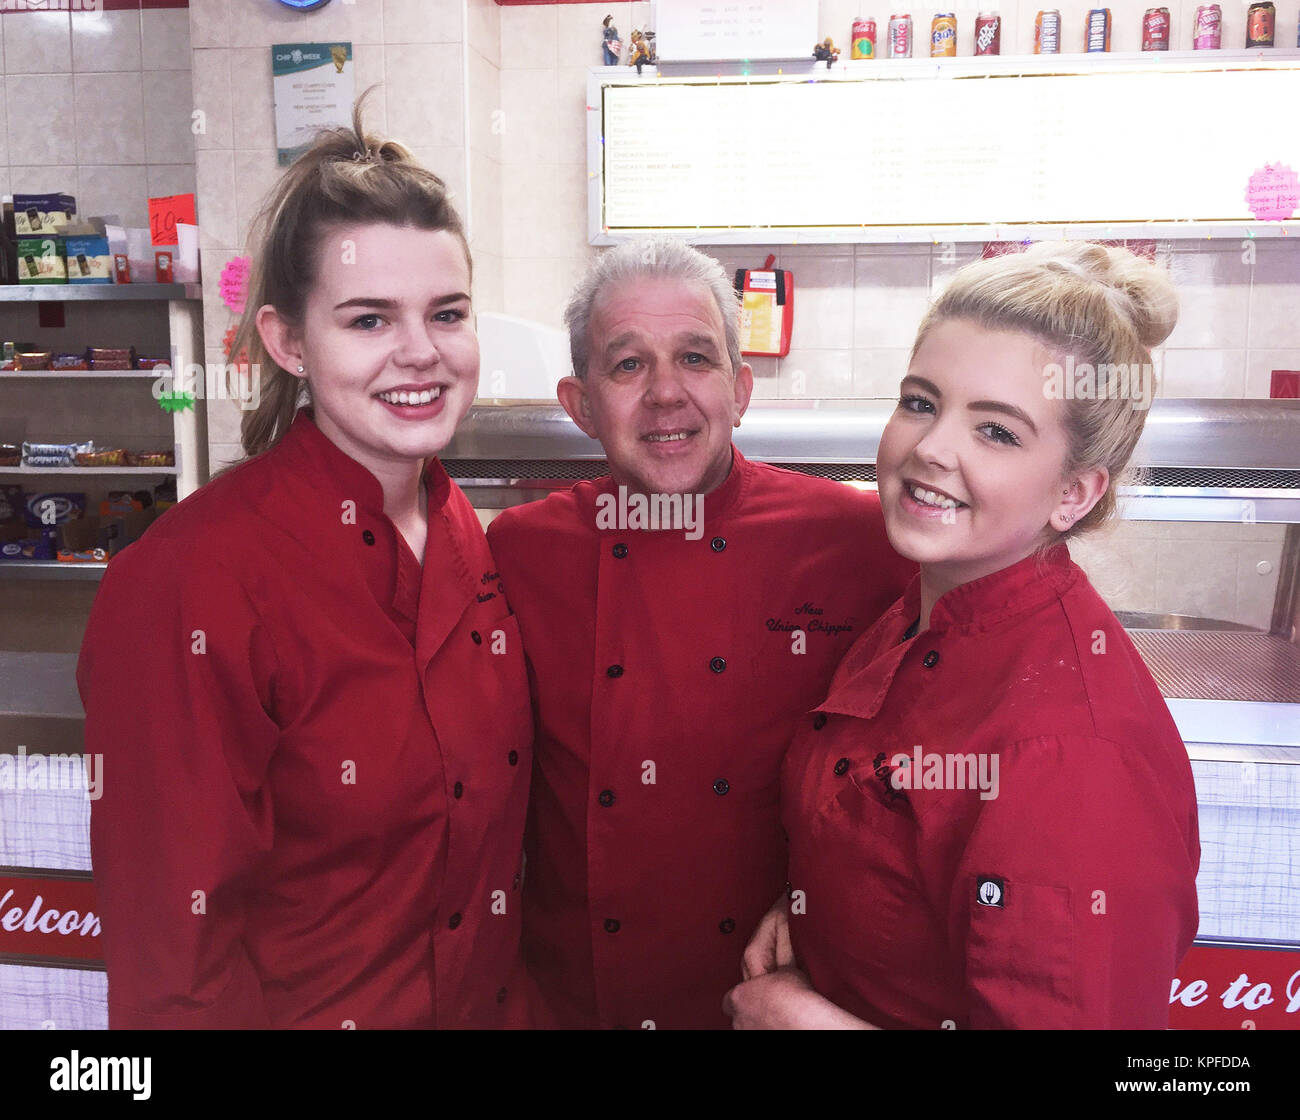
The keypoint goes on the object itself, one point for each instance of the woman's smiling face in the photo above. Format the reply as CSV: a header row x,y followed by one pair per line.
x,y
388,342
972,463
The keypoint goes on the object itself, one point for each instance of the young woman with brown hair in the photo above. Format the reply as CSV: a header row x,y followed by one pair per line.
x,y
305,681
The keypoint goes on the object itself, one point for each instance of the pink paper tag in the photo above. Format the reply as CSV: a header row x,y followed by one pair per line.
x,y
1273,192
234,283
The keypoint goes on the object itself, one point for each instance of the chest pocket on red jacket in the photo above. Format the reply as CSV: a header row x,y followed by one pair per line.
x,y
868,847
1019,954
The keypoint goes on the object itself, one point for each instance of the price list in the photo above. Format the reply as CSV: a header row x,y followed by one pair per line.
x,y
1120,146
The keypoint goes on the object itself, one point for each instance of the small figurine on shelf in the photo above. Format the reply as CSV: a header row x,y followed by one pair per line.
x,y
826,51
639,53
612,45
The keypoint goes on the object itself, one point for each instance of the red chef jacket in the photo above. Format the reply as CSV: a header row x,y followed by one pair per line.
x,y
316,757
666,687
1065,900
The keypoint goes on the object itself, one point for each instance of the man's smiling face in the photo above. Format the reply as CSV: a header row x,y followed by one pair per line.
x,y
659,393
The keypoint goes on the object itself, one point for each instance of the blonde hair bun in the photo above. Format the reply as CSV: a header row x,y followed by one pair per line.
x,y
1142,294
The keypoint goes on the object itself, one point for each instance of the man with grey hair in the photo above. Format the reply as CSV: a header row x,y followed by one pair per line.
x,y
678,616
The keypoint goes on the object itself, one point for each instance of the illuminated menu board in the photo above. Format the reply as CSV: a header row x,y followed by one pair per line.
x,y
1133,146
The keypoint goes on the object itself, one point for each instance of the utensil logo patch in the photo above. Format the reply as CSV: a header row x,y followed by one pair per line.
x,y
990,891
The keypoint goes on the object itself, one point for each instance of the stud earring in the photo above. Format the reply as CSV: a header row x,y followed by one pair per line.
x,y
301,370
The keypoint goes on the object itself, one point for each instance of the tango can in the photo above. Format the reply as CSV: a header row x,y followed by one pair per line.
x,y
1097,37
1047,32
900,36
988,33
943,35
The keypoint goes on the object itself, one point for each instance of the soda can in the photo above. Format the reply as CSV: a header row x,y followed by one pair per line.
x,y
863,38
900,36
988,33
1207,31
1155,29
1097,38
1047,32
943,36
1260,19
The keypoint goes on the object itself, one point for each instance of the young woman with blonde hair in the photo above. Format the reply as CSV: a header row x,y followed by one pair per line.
x,y
991,816
305,681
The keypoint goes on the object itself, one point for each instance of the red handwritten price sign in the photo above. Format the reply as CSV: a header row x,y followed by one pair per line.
x,y
165,212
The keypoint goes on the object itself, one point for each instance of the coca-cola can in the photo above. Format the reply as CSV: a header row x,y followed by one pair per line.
x,y
1155,29
1207,31
863,41
1047,32
988,33
900,36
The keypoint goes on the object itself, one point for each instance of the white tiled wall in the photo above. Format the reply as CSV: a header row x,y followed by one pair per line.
x,y
97,105
485,141
545,52
857,308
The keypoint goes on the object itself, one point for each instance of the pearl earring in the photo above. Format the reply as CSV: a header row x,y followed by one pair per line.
x,y
301,370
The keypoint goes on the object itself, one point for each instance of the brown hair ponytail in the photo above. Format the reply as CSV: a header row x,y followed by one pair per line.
x,y
346,176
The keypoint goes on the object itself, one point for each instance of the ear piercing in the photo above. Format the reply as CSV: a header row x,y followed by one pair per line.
x,y
301,370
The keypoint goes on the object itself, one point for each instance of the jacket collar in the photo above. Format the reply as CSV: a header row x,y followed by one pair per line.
x,y
333,473
865,675
987,602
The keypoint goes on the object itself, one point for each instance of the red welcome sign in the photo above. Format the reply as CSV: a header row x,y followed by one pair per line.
x,y
1228,987
50,918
